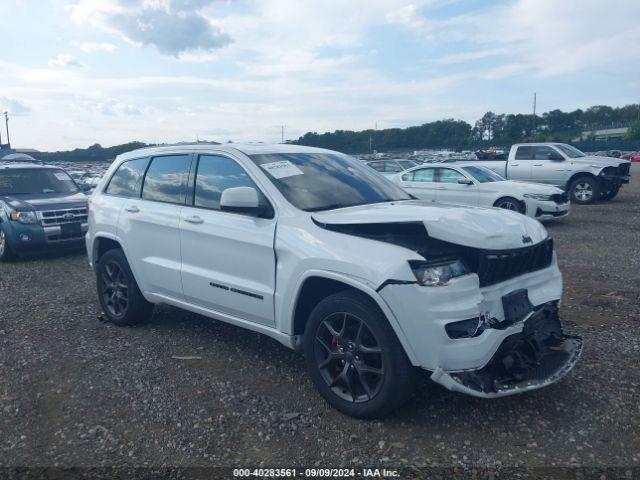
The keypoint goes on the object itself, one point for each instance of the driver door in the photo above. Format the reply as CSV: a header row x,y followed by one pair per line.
x,y
228,259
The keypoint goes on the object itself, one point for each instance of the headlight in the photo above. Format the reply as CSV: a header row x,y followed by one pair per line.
x,y
24,217
437,273
537,196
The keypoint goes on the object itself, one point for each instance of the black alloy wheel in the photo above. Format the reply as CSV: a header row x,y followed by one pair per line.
x,y
509,203
115,290
119,295
354,357
349,357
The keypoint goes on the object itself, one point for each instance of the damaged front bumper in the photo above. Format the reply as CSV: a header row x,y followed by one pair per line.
x,y
538,356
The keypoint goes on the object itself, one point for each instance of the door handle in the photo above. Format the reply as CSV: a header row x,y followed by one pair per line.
x,y
537,164
515,164
441,188
195,220
132,209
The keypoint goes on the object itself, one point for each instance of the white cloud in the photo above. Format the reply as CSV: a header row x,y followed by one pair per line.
x,y
408,16
64,60
173,27
91,47
13,106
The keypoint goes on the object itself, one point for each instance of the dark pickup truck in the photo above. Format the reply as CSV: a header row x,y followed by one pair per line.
x,y
41,208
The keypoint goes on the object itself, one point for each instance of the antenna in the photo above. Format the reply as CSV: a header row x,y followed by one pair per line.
x,y
533,131
6,122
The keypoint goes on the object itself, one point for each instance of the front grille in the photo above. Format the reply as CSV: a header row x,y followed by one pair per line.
x,y
50,218
560,198
494,266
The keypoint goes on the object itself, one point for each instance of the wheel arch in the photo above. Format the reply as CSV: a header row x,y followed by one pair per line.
x,y
318,285
575,176
101,245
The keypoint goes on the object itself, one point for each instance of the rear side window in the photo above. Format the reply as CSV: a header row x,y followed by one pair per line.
x,y
126,181
216,174
165,179
424,175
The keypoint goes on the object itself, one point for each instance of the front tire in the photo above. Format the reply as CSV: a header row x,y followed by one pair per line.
x,y
584,190
510,203
6,254
120,298
354,357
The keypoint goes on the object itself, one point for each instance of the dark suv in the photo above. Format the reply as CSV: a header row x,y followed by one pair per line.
x,y
41,207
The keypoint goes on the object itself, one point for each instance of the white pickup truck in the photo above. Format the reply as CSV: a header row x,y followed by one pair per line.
x,y
585,178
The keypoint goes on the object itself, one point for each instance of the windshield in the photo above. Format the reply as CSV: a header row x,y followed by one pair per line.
x,y
35,181
483,175
569,151
324,181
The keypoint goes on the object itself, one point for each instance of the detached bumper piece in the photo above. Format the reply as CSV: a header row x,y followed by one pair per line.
x,y
536,357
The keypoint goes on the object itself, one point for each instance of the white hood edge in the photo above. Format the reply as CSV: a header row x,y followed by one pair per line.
x,y
486,228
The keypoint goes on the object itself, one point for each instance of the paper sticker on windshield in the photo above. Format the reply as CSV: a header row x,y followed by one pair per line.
x,y
61,176
282,169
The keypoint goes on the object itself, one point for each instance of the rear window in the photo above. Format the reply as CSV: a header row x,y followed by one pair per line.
x,y
165,179
126,181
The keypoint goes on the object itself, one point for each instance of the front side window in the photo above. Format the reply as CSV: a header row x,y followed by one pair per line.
x,y
165,179
215,174
35,181
324,181
126,181
544,153
406,164
448,175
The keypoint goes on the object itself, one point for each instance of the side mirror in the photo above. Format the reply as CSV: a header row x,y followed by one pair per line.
x,y
85,187
241,200
465,181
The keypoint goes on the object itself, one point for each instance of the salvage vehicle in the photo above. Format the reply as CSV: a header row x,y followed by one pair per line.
x,y
41,208
585,178
469,184
323,254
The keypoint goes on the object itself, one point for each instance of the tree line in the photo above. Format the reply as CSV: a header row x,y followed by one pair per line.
x,y
492,128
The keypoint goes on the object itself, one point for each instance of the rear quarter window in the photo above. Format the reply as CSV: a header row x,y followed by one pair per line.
x,y
125,182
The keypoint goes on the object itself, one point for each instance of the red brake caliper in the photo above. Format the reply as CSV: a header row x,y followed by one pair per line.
x,y
334,343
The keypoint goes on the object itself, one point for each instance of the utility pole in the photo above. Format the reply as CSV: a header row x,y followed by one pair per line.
x,y
533,131
282,132
6,122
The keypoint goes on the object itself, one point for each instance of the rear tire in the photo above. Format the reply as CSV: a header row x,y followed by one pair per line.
x,y
119,295
6,254
610,194
510,203
354,358
584,190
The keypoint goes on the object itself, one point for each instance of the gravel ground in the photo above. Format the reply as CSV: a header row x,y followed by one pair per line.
x,y
77,392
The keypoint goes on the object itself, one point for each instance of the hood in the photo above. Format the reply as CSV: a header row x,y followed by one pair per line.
x,y
599,161
49,201
515,186
485,228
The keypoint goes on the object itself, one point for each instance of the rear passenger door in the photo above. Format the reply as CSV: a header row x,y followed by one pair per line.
x,y
420,183
519,168
228,259
150,225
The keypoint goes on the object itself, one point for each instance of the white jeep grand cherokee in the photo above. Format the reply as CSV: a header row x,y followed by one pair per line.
x,y
316,250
